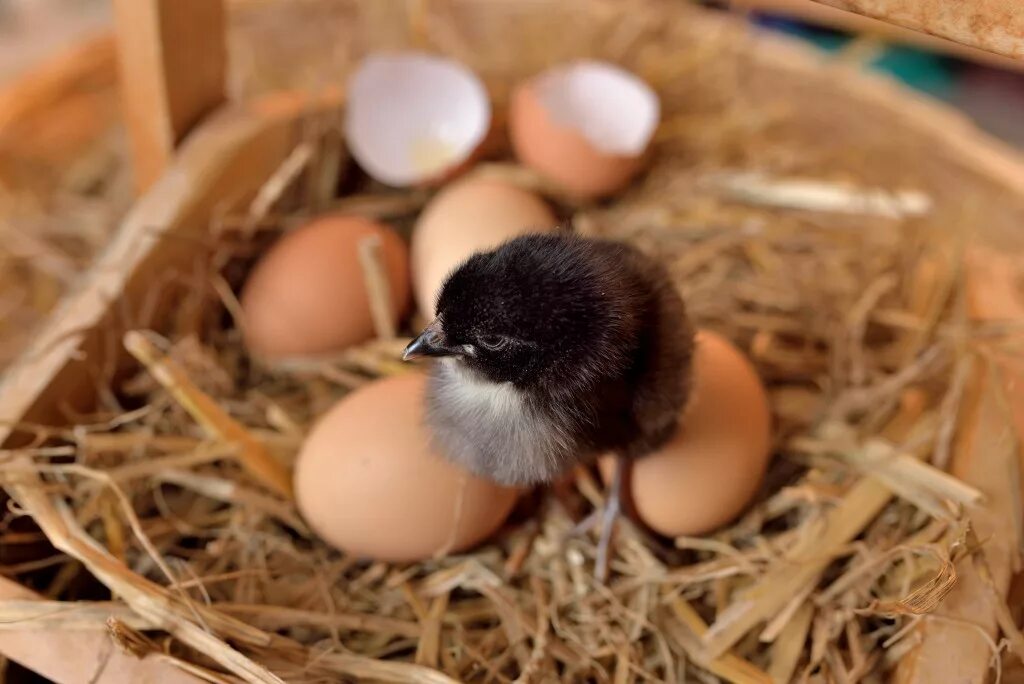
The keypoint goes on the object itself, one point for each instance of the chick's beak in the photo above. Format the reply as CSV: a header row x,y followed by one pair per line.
x,y
431,342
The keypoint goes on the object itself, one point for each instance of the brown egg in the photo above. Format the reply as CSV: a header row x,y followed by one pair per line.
x,y
307,295
368,482
709,472
469,216
584,126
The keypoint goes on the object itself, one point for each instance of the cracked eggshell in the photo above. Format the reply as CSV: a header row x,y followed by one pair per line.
x,y
369,483
584,125
412,117
471,215
307,294
709,472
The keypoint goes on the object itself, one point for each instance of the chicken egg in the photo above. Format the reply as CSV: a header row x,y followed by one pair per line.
x,y
584,126
711,469
307,294
471,215
412,117
368,481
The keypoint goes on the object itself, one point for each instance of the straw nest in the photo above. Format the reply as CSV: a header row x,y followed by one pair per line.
x,y
845,290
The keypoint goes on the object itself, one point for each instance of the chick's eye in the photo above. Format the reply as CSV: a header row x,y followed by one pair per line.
x,y
493,342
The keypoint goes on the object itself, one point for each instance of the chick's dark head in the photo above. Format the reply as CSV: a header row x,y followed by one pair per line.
x,y
539,309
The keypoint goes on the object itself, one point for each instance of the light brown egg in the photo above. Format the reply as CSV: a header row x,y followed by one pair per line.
x,y
472,215
307,295
584,126
709,472
368,482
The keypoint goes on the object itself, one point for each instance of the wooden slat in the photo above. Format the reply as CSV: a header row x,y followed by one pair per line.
x,y
173,58
816,12
996,296
956,644
220,167
993,25
76,656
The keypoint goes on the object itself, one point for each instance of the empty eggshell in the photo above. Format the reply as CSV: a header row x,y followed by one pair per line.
x,y
711,469
307,294
368,482
411,117
584,125
469,216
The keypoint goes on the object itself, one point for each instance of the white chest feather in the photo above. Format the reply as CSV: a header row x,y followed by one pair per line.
x,y
493,430
474,397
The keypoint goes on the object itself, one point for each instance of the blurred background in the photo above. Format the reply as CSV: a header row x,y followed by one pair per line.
x,y
64,177
990,89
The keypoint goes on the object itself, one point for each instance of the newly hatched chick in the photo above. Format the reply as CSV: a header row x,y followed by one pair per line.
x,y
556,349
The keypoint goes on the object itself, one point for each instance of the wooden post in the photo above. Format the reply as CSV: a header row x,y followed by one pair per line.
x,y
173,59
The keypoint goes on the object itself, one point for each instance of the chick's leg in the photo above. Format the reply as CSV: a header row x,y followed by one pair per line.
x,y
605,516
612,507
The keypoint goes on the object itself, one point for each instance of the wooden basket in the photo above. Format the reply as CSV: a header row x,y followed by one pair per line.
x,y
198,157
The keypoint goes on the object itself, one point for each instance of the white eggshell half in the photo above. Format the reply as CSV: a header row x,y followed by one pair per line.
x,y
613,109
411,116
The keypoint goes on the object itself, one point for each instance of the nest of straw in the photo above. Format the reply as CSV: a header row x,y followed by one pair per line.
x,y
844,288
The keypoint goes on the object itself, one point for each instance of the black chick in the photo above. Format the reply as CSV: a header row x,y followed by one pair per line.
x,y
556,349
